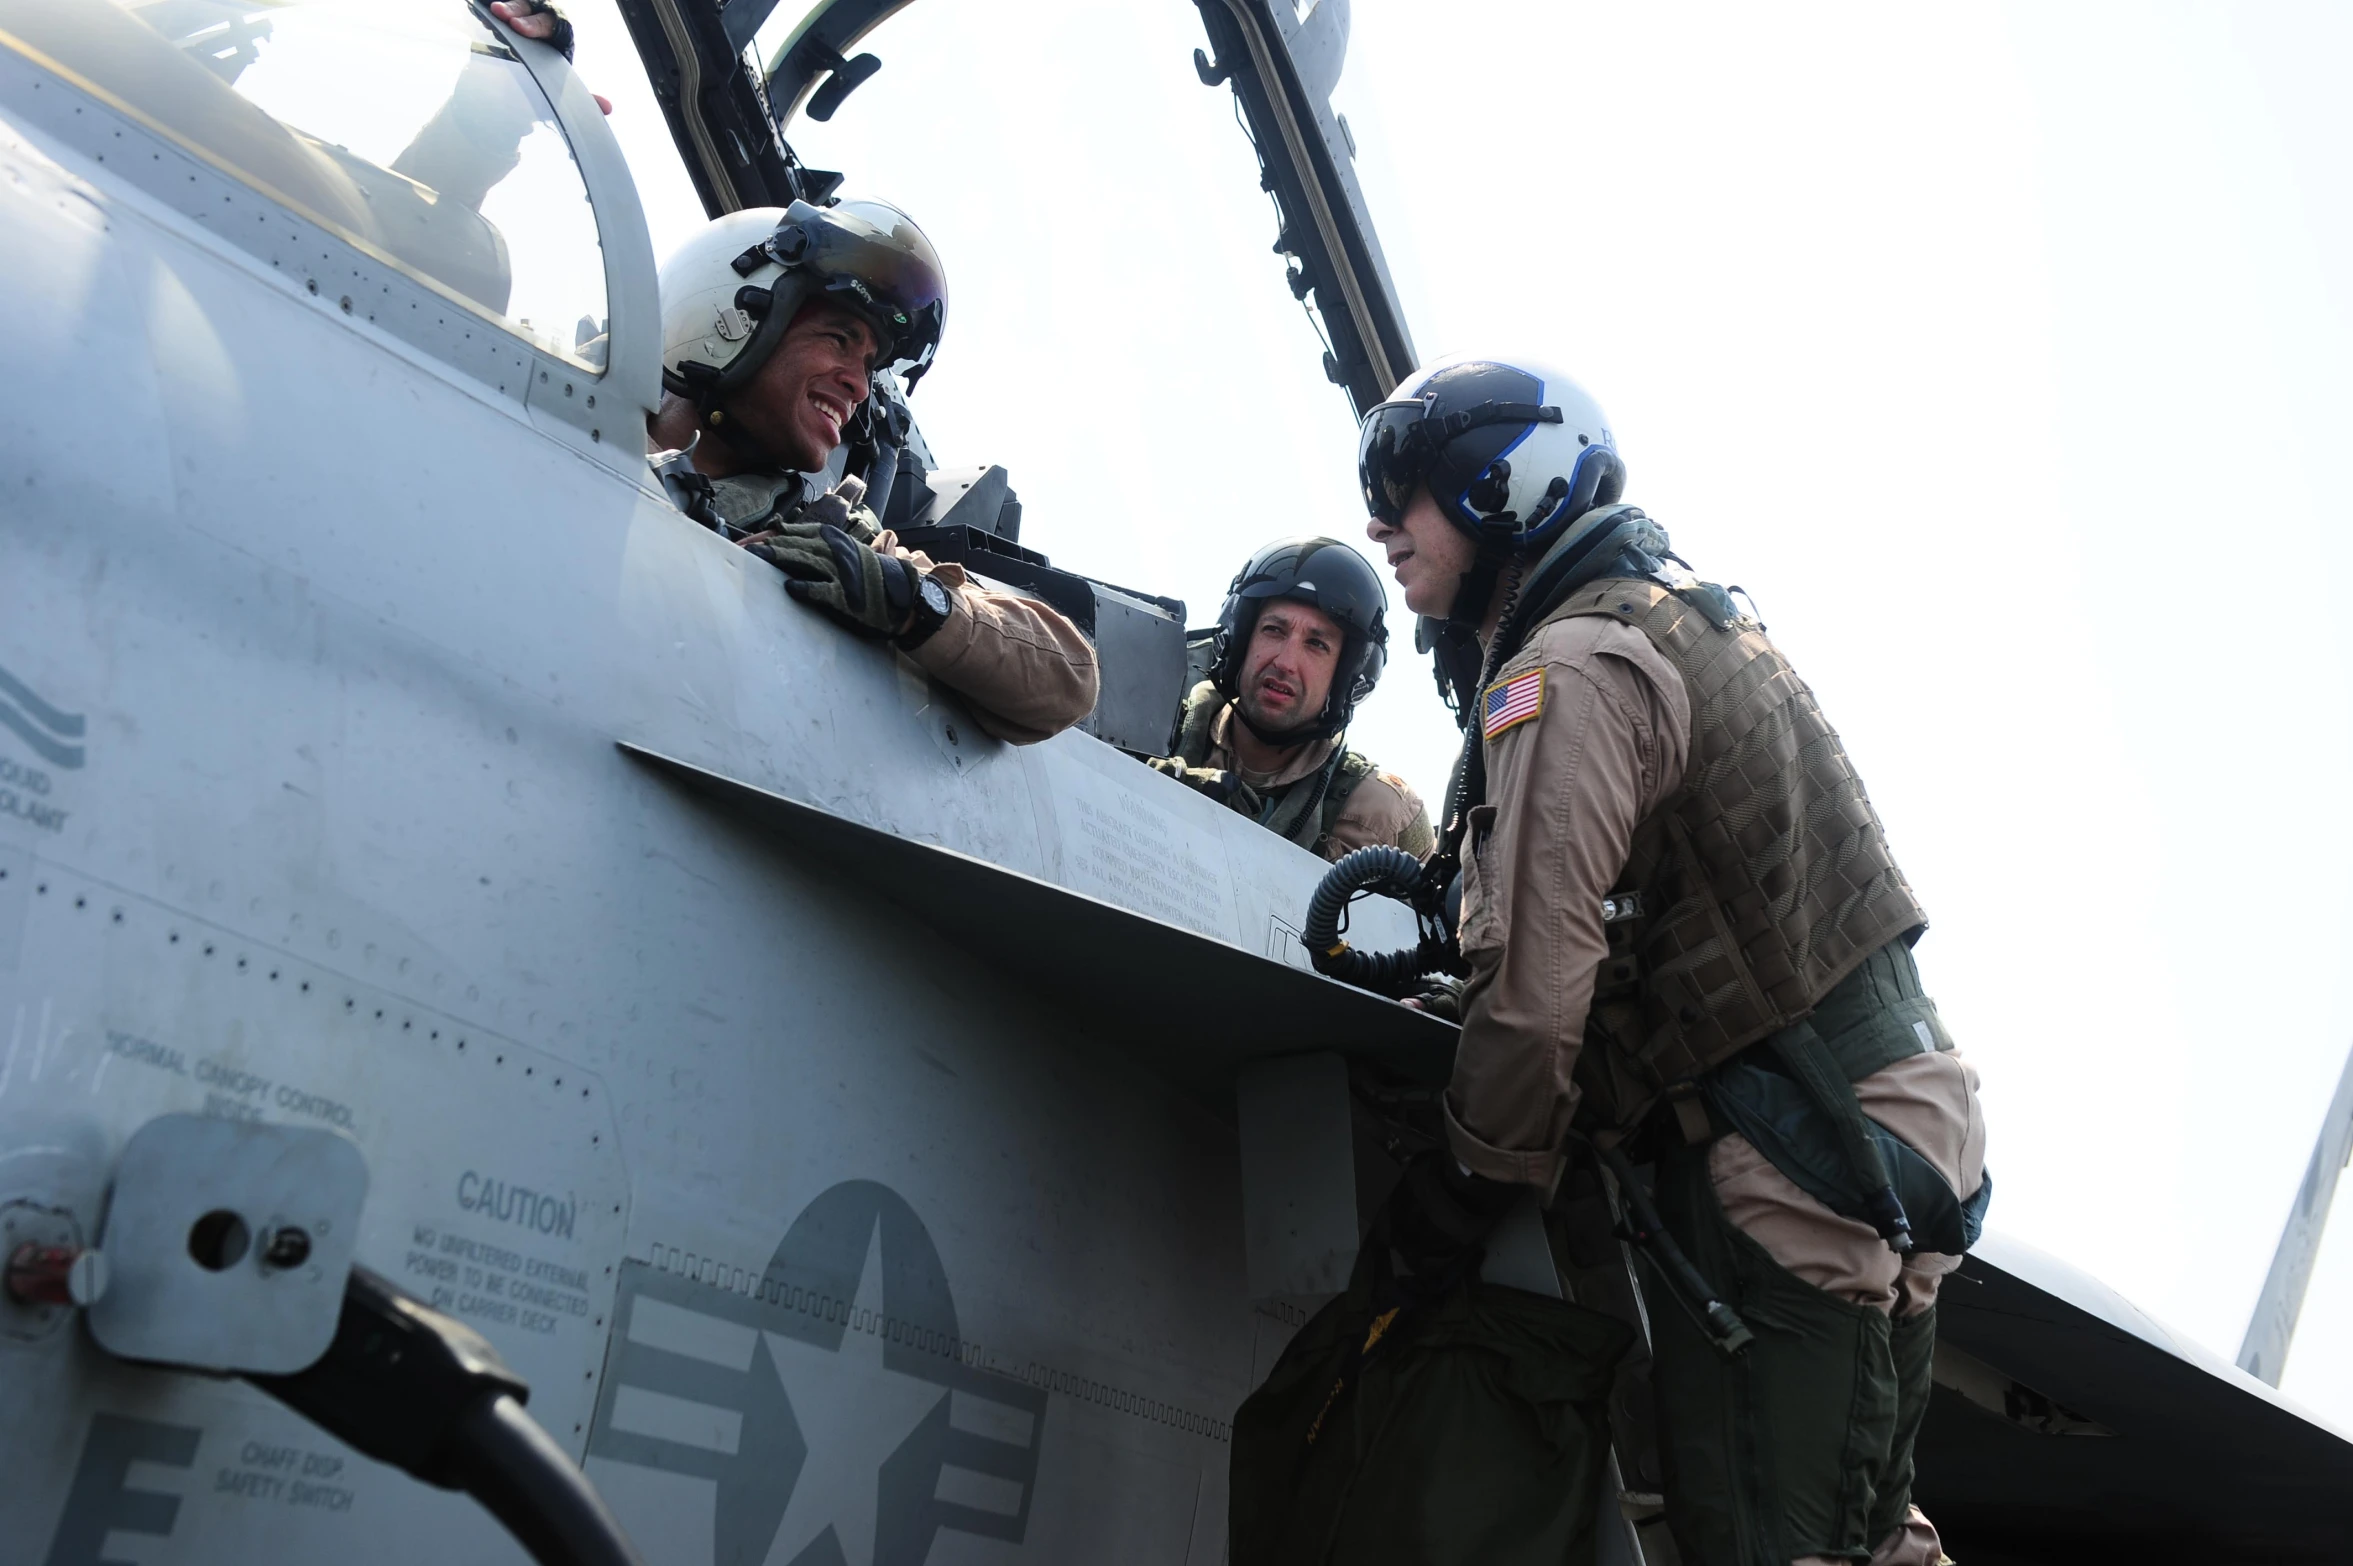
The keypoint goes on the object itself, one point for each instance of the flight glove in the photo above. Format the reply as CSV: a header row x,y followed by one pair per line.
x,y
871,593
1440,995
1214,782
1438,1219
556,31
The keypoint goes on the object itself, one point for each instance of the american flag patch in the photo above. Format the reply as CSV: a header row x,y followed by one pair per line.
x,y
1516,700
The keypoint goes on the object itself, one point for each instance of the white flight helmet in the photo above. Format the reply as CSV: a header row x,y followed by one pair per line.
x,y
1515,454
1505,445
729,292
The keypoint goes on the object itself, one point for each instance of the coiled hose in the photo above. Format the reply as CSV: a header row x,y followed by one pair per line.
x,y
1392,872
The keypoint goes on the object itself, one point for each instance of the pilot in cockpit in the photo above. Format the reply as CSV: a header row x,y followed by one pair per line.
x,y
774,325
1299,643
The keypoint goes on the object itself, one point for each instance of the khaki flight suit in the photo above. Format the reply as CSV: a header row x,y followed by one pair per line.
x,y
1565,790
1026,670
1382,809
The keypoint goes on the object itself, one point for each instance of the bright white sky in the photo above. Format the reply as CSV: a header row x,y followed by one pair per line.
x,y
1999,352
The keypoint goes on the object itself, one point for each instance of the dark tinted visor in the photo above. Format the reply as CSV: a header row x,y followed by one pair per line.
x,y
1392,456
873,258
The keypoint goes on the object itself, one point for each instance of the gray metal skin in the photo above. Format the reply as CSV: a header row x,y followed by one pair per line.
x,y
2263,1353
322,651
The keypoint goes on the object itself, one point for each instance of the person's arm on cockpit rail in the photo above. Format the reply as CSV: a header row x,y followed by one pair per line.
x,y
1027,670
775,324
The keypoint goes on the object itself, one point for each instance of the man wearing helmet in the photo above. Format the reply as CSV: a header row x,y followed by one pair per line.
x,y
1687,939
1299,642
774,327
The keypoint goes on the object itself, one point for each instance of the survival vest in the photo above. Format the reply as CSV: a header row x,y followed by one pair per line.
x,y
1759,885
1292,810
734,506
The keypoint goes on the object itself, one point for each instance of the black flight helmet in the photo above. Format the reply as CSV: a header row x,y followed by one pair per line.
x,y
1325,574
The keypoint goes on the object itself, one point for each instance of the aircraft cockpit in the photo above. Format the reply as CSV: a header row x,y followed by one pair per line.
x,y
470,169
740,83
471,164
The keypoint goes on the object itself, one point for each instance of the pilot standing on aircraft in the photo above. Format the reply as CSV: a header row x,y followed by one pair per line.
x,y
1685,934
1299,643
774,324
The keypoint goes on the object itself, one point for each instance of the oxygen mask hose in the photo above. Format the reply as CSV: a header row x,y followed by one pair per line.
x,y
1391,872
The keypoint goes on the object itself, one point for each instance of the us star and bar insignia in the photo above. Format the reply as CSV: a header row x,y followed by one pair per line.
x,y
1515,700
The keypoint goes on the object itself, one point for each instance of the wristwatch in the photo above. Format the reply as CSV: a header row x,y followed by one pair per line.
x,y
932,604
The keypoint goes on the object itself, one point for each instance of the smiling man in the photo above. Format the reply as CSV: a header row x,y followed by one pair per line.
x,y
1299,643
774,325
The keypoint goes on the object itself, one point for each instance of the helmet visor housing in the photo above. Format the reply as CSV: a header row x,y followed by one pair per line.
x,y
869,256
1500,446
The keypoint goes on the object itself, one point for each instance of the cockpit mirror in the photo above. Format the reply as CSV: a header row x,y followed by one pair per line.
x,y
813,70
846,78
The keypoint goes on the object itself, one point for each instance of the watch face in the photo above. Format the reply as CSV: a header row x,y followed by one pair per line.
x,y
935,597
